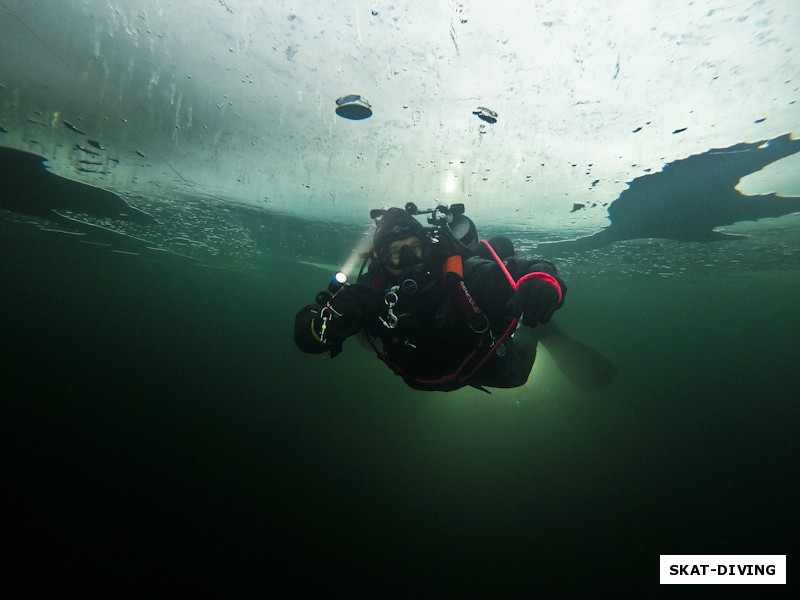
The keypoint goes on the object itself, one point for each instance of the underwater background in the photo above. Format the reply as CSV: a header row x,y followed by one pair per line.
x,y
160,428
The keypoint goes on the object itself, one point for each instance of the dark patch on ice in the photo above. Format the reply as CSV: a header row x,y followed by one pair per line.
x,y
27,187
691,197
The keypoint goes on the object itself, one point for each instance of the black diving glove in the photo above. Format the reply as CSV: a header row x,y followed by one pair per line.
x,y
535,300
350,309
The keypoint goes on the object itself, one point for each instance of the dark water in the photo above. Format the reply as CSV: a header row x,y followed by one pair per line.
x,y
159,430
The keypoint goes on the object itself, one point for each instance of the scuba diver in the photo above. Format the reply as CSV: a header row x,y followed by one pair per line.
x,y
438,306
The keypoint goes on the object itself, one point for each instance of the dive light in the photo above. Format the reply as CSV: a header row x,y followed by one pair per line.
x,y
337,282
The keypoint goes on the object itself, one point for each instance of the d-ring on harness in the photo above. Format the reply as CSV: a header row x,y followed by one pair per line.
x,y
407,287
390,299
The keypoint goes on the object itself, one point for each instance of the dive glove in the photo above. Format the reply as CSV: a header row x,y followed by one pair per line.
x,y
350,309
535,300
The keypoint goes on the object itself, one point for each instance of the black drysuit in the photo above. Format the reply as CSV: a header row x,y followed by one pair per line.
x,y
447,335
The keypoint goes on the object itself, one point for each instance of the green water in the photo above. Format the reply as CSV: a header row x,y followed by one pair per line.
x,y
159,428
